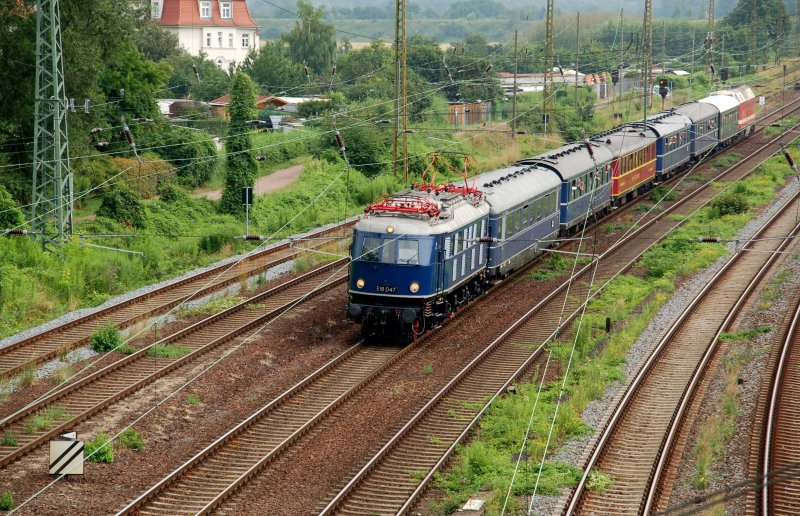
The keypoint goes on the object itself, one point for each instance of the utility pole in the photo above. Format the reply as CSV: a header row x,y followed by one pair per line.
x,y
710,38
691,80
401,102
663,47
577,52
797,27
779,42
622,49
647,54
514,106
549,56
52,175
752,33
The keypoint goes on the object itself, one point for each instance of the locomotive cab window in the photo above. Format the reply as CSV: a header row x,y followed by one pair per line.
x,y
371,249
408,252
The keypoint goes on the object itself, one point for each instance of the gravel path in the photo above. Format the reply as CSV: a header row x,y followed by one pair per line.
x,y
273,182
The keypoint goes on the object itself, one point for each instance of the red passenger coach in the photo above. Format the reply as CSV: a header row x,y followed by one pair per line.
x,y
633,169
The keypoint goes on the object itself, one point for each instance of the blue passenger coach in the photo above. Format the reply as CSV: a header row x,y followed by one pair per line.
x,y
524,211
585,180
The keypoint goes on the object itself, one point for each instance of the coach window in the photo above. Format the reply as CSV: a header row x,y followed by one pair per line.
x,y
408,251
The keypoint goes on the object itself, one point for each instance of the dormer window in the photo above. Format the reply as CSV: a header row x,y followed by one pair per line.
x,y
205,9
226,10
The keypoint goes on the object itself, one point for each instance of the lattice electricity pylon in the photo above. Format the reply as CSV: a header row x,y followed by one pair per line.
x,y
400,148
52,175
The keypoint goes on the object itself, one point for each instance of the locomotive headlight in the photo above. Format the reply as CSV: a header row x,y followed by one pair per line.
x,y
390,229
360,283
414,287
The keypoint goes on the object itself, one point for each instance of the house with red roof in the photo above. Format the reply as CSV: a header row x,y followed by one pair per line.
x,y
222,29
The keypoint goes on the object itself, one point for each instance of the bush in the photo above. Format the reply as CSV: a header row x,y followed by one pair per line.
x,y
662,193
146,176
171,193
100,449
732,203
192,153
6,501
105,339
132,440
213,243
124,206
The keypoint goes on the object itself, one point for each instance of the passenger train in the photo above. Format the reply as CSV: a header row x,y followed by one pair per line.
x,y
422,253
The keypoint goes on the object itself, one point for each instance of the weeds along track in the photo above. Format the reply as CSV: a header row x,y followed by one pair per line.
x,y
636,444
85,397
778,467
393,479
53,342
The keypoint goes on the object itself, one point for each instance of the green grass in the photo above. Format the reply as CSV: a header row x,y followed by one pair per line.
x,y
772,291
617,226
63,373
6,501
745,334
192,400
211,307
27,377
599,482
427,369
9,439
131,439
553,265
774,130
44,420
167,351
127,349
726,160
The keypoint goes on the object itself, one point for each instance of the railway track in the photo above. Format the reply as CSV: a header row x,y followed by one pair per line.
x,y
779,466
86,397
51,343
636,444
213,474
200,484
386,483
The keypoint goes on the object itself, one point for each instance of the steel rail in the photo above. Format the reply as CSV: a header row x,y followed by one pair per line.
x,y
779,392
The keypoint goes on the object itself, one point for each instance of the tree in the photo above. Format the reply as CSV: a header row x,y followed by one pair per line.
x,y
155,42
363,62
183,82
241,164
10,216
424,56
272,69
311,41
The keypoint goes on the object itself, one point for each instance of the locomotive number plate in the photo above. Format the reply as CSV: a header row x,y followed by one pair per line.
x,y
385,289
